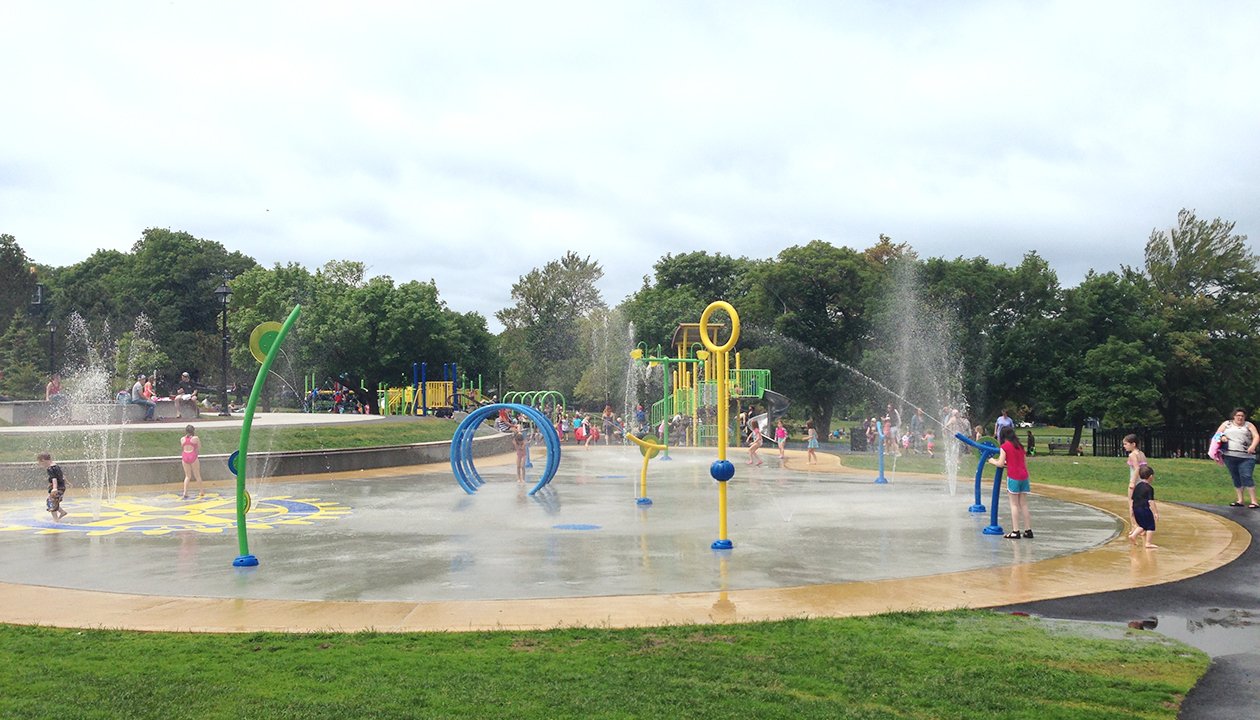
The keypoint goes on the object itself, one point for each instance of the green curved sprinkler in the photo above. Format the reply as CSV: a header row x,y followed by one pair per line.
x,y
265,338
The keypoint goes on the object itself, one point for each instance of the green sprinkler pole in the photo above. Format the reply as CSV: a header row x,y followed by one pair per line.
x,y
242,501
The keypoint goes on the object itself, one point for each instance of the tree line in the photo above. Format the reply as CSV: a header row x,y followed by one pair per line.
x,y
843,330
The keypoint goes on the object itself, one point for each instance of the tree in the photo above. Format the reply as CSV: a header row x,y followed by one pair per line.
x,y
17,279
24,358
1106,321
550,304
682,287
811,302
1208,285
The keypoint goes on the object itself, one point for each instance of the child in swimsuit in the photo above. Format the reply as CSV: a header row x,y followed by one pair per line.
x,y
190,447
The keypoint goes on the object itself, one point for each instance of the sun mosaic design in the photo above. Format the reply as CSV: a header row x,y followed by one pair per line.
x,y
166,513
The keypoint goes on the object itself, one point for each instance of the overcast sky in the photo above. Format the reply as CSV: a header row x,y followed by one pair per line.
x,y
470,142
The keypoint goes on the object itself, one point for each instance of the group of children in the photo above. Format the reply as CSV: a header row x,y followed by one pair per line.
x,y
190,449
755,439
1143,513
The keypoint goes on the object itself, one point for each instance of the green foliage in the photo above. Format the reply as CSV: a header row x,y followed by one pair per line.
x,y
24,359
1208,285
17,279
353,328
546,320
813,300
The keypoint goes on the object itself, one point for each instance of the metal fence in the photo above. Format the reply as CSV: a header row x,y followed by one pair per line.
x,y
1156,442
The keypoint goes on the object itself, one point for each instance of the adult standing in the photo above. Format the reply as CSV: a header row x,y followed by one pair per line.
x,y
610,423
916,429
1238,450
137,398
1004,421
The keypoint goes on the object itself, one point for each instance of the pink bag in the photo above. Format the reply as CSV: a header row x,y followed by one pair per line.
x,y
1214,448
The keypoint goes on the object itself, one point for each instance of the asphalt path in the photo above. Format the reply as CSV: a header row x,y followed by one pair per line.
x,y
1226,601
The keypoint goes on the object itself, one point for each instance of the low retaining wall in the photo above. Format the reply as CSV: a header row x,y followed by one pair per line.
x,y
151,471
40,412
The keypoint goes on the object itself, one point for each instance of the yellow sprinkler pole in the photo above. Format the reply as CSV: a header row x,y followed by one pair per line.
x,y
649,450
722,470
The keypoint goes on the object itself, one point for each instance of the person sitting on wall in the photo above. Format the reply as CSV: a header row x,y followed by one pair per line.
x,y
52,391
186,392
137,398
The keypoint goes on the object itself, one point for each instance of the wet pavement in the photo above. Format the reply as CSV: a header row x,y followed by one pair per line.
x,y
406,549
419,538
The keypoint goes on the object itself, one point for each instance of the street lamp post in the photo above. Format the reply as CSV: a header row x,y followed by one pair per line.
x,y
52,347
223,292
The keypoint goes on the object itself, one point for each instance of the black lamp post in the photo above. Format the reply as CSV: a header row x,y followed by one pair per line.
x,y
52,347
223,292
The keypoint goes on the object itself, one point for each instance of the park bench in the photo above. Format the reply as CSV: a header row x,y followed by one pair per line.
x,y
1051,447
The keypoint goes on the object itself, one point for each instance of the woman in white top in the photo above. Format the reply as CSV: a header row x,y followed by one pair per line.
x,y
1238,450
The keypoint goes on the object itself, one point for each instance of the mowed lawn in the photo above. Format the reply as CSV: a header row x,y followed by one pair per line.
x,y
164,442
962,664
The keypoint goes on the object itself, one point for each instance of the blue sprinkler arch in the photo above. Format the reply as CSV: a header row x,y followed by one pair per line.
x,y
461,445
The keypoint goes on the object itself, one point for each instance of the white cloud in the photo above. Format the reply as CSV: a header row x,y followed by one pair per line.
x,y
472,142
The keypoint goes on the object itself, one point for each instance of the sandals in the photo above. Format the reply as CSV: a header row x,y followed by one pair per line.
x,y
1235,504
1012,535
1254,506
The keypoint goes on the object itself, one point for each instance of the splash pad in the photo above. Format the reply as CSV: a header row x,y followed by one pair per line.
x,y
417,538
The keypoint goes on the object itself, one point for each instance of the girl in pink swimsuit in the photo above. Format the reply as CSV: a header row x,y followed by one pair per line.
x,y
190,446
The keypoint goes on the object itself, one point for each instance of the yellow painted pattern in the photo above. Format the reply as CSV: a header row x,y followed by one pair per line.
x,y
166,513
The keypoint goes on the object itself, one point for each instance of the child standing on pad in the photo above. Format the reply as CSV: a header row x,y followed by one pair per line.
x,y
1011,457
190,449
780,438
812,446
56,485
518,444
1144,511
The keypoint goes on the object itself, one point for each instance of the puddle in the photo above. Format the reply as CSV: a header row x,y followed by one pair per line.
x,y
1217,632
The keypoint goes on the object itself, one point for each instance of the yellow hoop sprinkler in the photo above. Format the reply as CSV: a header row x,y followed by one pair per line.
x,y
722,470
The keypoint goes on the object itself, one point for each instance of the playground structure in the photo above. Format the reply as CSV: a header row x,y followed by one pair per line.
x,y
545,400
425,397
691,383
335,399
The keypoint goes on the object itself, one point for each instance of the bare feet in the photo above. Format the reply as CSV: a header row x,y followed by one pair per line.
x,y
1151,545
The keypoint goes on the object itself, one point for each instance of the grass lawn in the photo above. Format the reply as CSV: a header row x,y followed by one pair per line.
x,y
21,447
962,664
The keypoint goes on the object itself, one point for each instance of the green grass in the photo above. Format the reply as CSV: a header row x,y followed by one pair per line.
x,y
69,445
961,664
1179,480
